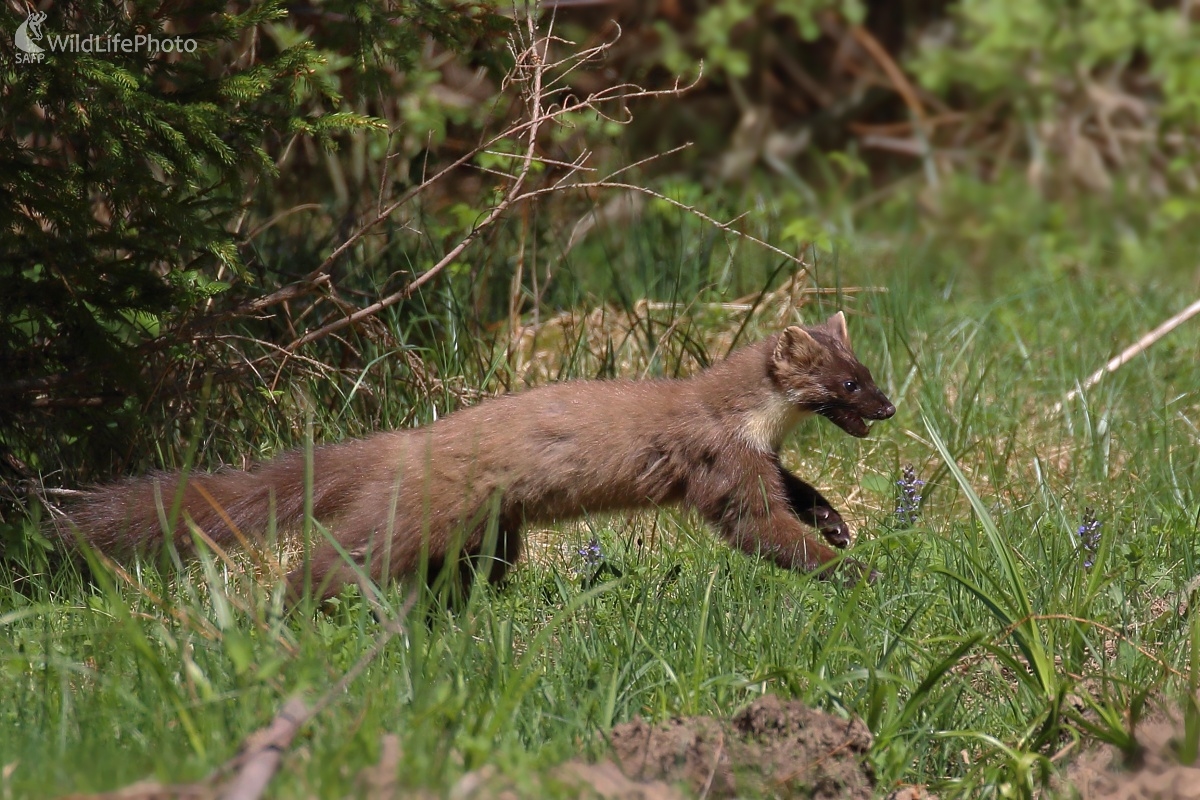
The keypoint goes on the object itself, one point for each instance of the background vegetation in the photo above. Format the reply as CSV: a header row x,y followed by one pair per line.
x,y
1002,194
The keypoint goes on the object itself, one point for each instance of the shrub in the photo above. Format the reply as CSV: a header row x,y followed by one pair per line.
x,y
133,173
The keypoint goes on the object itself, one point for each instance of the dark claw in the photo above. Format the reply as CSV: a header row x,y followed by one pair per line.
x,y
838,535
832,527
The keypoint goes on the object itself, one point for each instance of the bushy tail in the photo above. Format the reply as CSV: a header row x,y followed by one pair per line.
x,y
130,516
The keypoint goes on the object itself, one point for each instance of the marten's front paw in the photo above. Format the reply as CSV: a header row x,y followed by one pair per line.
x,y
832,526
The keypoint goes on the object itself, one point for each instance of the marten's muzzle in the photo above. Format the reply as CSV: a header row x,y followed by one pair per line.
x,y
852,419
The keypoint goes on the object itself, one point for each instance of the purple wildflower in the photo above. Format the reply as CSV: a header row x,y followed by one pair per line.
x,y
908,506
591,552
1089,536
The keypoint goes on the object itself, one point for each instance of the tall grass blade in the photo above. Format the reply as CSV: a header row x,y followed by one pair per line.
x,y
526,668
920,695
1014,609
1189,747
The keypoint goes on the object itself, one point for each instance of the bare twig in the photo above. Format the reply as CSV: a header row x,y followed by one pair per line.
x,y
547,100
264,750
529,59
530,126
530,68
1131,352
896,75
260,757
633,187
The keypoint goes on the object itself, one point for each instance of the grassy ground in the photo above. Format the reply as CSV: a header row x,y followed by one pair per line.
x,y
994,640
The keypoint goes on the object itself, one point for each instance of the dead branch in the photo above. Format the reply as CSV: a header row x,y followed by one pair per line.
x,y
899,80
545,103
530,70
264,750
1131,352
633,187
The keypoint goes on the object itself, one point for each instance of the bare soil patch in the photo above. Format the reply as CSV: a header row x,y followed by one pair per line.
x,y
1101,775
772,748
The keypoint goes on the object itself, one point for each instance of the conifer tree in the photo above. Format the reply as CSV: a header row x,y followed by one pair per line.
x,y
126,173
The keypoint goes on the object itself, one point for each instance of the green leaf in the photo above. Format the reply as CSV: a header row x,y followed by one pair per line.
x,y
878,484
240,650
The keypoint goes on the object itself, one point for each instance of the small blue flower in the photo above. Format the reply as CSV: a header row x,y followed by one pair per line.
x,y
908,506
591,552
1089,536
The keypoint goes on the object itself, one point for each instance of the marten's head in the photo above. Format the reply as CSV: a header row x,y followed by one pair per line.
x,y
817,371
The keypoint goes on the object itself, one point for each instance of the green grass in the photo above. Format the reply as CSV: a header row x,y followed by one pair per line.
x,y
983,651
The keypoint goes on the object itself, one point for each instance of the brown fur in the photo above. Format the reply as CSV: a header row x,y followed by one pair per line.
x,y
399,499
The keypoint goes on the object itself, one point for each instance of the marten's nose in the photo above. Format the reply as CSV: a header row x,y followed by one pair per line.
x,y
887,411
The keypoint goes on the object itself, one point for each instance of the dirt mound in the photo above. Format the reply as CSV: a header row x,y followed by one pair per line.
x,y
1099,775
772,748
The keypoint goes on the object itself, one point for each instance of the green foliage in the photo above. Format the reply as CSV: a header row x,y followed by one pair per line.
x,y
986,636
1027,49
131,176
1100,93
725,36
127,167
965,660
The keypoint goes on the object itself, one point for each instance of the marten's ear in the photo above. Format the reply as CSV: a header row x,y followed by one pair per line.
x,y
796,349
837,326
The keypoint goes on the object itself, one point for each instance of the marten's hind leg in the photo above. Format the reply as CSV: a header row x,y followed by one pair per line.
x,y
327,575
495,566
329,570
486,556
492,559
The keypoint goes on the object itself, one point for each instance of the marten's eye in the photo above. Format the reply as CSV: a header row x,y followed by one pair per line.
x,y
850,386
